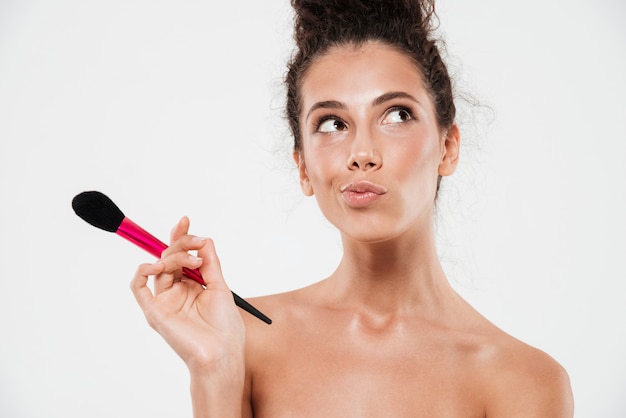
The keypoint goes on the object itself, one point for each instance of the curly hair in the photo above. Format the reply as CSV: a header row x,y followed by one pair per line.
x,y
407,25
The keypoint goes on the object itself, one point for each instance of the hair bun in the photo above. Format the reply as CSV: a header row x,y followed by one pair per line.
x,y
328,21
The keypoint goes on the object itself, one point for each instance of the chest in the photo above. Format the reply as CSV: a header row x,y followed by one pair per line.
x,y
366,376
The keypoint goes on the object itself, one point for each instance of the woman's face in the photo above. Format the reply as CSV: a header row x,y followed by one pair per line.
x,y
371,147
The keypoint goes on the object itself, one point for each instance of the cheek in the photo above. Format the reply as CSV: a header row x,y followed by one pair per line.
x,y
421,155
322,163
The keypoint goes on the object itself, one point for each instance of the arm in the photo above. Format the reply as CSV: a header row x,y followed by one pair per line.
x,y
213,395
202,325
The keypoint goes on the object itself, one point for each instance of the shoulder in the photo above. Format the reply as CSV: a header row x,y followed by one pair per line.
x,y
524,381
295,319
285,310
278,307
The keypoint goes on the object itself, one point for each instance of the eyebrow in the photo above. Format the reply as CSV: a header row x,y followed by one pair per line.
x,y
393,95
327,104
334,104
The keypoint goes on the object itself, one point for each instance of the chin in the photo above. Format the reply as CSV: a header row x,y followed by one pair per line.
x,y
383,229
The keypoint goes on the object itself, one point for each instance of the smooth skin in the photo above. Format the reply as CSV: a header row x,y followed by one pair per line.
x,y
385,335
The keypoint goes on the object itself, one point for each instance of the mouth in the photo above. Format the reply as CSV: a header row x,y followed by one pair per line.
x,y
361,194
364,187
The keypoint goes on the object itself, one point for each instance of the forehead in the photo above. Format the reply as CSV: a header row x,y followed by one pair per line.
x,y
352,73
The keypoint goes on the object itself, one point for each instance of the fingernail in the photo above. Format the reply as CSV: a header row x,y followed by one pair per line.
x,y
194,258
198,240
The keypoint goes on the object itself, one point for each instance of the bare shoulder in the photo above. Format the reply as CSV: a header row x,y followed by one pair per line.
x,y
526,382
279,307
284,309
295,317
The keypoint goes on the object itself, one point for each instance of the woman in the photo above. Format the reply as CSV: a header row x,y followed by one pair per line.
x,y
370,105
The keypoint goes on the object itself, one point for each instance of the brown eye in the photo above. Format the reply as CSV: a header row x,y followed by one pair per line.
x,y
331,124
397,115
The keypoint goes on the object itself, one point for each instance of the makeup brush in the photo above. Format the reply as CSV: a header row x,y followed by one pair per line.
x,y
100,211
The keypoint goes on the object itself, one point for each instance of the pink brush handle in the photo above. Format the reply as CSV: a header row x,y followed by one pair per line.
x,y
143,239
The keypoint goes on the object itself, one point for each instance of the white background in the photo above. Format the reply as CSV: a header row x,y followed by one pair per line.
x,y
174,108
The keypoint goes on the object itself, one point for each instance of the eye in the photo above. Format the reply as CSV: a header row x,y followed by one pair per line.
x,y
397,115
330,124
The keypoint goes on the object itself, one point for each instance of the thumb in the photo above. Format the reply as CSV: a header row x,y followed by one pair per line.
x,y
211,269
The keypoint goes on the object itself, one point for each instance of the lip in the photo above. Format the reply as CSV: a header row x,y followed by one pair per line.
x,y
361,194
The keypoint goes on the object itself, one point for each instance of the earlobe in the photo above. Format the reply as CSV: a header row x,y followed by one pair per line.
x,y
305,184
451,148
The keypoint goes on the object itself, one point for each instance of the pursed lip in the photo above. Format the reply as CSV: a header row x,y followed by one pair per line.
x,y
362,194
364,187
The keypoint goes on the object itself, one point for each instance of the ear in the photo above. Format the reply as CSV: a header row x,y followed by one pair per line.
x,y
305,184
450,151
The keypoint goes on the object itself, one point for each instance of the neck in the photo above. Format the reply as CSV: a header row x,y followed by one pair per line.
x,y
396,277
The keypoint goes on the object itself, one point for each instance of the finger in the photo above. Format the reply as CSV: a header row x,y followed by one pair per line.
x,y
183,244
211,269
139,284
172,270
180,229
176,257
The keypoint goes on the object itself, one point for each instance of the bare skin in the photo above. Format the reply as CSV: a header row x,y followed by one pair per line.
x,y
385,334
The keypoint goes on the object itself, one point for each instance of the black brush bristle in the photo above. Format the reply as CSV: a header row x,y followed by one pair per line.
x,y
98,210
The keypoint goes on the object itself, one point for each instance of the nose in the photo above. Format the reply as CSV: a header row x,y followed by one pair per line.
x,y
364,154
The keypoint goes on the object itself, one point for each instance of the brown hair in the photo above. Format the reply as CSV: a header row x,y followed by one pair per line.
x,y
403,24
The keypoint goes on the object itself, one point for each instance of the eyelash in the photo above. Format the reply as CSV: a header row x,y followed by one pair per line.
x,y
325,118
401,108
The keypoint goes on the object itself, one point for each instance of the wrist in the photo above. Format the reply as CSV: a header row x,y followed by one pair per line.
x,y
217,389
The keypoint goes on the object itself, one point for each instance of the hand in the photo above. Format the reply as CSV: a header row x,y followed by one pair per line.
x,y
201,324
